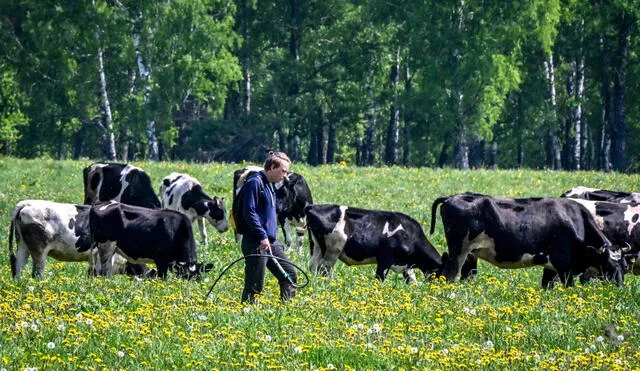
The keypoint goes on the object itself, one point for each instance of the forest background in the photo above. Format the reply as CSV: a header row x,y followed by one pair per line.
x,y
462,83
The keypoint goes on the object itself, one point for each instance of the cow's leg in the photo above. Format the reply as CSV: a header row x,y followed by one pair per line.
x,y
106,251
457,256
385,261
470,267
203,230
22,255
162,267
548,278
409,276
287,234
562,264
94,263
39,262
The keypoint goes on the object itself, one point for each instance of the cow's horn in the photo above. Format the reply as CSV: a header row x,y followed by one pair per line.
x,y
626,249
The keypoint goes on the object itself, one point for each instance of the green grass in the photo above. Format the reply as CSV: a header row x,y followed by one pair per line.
x,y
499,320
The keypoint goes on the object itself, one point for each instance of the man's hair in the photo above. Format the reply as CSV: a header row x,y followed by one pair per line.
x,y
275,160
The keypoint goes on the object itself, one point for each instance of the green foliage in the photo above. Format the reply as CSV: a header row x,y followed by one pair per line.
x,y
12,102
472,69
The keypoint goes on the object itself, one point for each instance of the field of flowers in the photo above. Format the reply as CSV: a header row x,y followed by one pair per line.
x,y
499,320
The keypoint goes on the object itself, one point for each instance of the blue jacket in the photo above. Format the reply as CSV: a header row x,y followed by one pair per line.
x,y
259,207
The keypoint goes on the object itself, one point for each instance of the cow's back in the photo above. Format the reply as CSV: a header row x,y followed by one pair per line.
x,y
118,182
60,228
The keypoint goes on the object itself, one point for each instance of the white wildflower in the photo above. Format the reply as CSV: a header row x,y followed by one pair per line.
x,y
330,366
31,288
297,350
360,326
61,327
368,345
599,339
620,338
246,309
267,338
120,354
507,329
414,350
587,350
51,345
488,344
24,324
452,295
202,317
376,327
34,327
89,321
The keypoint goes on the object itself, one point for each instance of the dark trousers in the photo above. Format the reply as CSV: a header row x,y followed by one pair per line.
x,y
254,269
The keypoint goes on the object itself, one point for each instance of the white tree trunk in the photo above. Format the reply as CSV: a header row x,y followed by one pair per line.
x,y
109,137
554,146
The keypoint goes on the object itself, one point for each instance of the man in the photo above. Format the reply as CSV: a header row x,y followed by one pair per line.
x,y
259,213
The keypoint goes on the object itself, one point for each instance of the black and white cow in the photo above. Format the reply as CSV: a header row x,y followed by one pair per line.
x,y
142,235
595,194
292,196
619,222
184,193
557,233
118,182
356,236
45,228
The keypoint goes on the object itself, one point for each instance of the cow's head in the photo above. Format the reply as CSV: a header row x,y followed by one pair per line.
x,y
216,214
192,271
609,262
327,227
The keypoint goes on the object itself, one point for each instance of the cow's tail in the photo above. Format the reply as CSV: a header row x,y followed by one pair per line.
x,y
12,233
434,208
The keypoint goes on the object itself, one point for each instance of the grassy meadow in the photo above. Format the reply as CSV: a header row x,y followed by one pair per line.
x,y
499,320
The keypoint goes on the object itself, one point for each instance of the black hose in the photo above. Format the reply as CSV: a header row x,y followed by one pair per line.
x,y
306,277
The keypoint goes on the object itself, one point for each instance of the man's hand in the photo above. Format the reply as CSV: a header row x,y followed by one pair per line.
x,y
265,245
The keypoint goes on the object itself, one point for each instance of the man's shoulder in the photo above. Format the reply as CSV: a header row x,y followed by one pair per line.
x,y
254,180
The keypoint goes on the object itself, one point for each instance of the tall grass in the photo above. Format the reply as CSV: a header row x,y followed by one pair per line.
x,y
499,320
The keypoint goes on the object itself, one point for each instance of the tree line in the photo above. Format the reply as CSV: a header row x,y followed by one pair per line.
x,y
462,83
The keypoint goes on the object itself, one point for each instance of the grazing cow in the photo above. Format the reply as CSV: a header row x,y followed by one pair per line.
x,y
45,228
557,233
118,182
356,236
292,196
595,194
619,222
184,193
142,235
